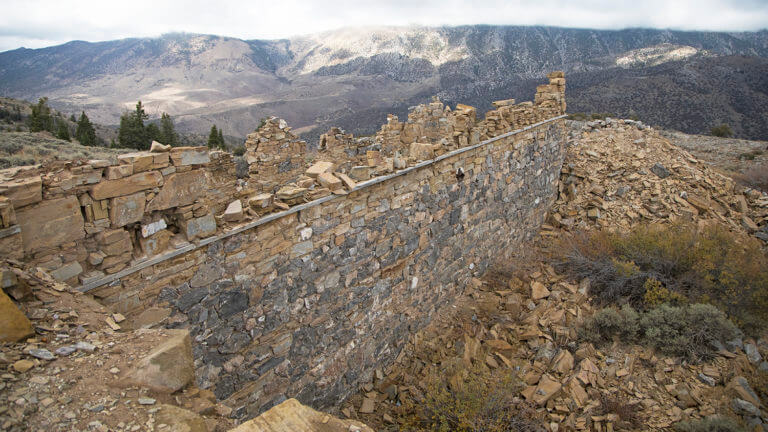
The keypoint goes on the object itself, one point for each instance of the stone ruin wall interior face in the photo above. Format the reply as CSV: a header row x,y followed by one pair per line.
x,y
309,303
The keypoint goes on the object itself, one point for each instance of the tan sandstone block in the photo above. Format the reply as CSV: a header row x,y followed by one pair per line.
x,y
23,192
14,325
127,209
179,189
127,185
51,223
141,161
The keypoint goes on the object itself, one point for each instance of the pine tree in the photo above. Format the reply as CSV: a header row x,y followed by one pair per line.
x,y
132,133
213,137
85,132
221,140
72,118
153,133
168,132
63,130
40,119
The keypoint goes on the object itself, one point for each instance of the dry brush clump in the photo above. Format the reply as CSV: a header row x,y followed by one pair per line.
x,y
755,177
678,265
474,399
709,424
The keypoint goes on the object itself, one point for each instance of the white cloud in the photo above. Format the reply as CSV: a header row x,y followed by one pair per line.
x,y
37,23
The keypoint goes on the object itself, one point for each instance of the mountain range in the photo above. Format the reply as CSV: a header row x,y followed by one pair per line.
x,y
352,77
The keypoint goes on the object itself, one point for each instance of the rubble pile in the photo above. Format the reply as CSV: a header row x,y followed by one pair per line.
x,y
77,366
619,172
530,327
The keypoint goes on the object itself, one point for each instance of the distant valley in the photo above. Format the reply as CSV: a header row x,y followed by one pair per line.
x,y
689,81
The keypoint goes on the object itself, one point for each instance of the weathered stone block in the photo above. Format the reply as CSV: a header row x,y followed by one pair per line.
x,y
292,416
23,192
127,209
329,181
167,368
234,211
199,227
14,325
141,161
118,171
319,168
156,243
179,189
127,185
67,271
181,156
51,223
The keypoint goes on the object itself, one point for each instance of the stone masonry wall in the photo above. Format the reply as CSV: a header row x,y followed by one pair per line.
x,y
305,302
309,304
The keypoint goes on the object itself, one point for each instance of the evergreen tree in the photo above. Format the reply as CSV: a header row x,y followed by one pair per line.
x,y
63,130
213,137
85,132
168,132
72,118
132,133
221,139
153,133
40,119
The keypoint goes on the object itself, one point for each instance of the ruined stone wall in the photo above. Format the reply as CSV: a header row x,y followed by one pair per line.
x,y
319,280
308,304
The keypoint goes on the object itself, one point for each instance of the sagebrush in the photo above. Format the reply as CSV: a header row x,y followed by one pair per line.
x,y
678,264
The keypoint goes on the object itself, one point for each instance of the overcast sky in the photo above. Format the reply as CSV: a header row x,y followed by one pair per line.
x,y
39,23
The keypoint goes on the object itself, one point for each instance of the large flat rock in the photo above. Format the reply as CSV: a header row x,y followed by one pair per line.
x,y
50,223
292,416
179,190
126,186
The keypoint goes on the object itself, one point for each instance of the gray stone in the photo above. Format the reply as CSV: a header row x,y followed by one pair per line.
x,y
85,346
752,353
742,407
65,350
201,227
707,380
67,271
41,353
733,345
146,401
660,171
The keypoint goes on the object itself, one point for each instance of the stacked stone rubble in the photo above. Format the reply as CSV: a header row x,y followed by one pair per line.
x,y
82,220
275,155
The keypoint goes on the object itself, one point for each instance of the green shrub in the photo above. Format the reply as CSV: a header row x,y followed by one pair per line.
x,y
654,264
689,331
239,151
476,399
709,424
608,323
722,131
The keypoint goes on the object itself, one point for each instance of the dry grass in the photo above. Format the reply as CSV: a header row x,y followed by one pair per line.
x,y
755,177
474,400
25,148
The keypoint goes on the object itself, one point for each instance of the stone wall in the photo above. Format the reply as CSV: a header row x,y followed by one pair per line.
x,y
319,280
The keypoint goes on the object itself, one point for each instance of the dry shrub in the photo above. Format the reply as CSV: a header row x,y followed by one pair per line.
x,y
654,264
755,177
709,424
628,412
476,400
